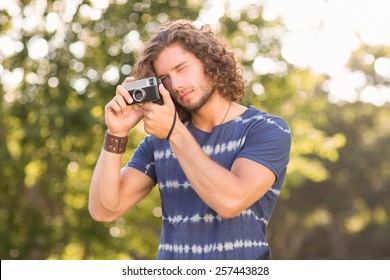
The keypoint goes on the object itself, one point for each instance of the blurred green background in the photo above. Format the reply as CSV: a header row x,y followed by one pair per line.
x,y
60,63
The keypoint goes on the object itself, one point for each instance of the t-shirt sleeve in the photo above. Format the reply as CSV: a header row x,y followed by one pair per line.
x,y
143,158
268,143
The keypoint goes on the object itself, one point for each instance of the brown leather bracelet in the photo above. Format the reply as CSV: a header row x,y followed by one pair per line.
x,y
115,144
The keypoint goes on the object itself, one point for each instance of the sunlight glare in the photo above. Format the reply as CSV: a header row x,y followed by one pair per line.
x,y
78,49
321,35
382,67
52,22
37,48
9,46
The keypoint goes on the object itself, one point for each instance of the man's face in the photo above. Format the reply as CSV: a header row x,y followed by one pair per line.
x,y
182,74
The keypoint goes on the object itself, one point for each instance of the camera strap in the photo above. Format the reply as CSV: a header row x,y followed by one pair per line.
x,y
172,126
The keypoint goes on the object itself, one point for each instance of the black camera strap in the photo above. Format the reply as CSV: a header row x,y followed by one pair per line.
x,y
172,126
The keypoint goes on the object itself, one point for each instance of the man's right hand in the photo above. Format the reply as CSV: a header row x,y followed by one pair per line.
x,y
120,118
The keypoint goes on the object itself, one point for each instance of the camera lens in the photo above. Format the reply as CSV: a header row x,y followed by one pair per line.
x,y
139,95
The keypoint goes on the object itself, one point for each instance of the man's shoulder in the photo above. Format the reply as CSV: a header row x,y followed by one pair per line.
x,y
261,118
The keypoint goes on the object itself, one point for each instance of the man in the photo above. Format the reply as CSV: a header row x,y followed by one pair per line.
x,y
219,166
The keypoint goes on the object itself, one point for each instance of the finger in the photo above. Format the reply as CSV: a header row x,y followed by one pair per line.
x,y
128,79
120,100
165,95
117,105
122,91
113,106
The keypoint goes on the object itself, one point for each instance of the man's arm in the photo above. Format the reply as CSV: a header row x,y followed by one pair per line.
x,y
228,192
114,190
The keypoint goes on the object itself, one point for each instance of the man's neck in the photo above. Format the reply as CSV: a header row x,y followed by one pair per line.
x,y
211,114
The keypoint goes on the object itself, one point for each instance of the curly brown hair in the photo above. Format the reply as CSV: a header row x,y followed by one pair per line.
x,y
220,63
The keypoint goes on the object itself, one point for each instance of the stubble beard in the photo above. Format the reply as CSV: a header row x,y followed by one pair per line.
x,y
206,92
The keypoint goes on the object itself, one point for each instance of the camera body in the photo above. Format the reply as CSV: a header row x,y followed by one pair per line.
x,y
144,90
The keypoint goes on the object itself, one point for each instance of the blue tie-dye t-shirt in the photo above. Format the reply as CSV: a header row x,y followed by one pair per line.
x,y
191,229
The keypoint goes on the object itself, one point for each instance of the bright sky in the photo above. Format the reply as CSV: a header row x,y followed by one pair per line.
x,y
321,34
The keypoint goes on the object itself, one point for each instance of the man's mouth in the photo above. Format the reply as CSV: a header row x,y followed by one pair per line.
x,y
184,94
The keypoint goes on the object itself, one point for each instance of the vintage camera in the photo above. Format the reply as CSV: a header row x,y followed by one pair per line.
x,y
144,90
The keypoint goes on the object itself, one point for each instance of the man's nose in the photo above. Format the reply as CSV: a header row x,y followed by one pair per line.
x,y
176,84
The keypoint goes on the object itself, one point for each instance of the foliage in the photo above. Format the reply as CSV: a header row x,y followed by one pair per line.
x,y
345,216
52,125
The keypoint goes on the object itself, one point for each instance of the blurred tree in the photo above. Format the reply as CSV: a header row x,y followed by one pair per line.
x,y
67,61
62,65
345,216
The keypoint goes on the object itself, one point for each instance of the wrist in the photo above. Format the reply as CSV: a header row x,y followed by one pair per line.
x,y
117,133
115,144
178,134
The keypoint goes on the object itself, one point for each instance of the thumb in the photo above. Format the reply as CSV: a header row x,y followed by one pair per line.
x,y
166,96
